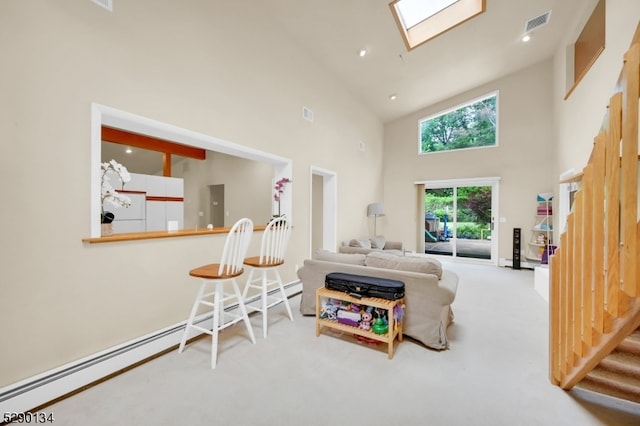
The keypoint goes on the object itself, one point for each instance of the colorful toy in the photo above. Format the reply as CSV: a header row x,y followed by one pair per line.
x,y
381,314
365,320
328,311
380,327
354,307
348,318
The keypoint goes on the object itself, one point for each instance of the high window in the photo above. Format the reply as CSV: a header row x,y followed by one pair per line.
x,y
472,125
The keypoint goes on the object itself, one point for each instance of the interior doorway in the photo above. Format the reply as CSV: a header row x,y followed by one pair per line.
x,y
459,219
216,205
323,210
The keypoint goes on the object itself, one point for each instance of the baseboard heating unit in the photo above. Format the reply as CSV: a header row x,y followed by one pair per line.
x,y
41,389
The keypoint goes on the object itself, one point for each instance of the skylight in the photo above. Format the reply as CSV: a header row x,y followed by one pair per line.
x,y
420,20
413,12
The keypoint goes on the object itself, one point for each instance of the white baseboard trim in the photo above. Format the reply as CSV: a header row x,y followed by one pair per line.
x,y
606,400
523,263
41,389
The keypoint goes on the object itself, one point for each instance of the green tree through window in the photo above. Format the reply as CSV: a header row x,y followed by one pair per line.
x,y
470,126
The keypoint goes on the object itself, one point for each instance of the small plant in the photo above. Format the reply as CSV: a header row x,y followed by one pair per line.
x,y
109,194
279,190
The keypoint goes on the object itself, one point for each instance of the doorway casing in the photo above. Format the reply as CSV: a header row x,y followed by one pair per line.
x,y
323,225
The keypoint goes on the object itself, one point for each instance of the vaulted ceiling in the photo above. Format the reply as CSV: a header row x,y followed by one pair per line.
x,y
484,48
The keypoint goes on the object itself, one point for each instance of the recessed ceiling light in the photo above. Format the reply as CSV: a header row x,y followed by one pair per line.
x,y
362,52
392,97
128,150
526,38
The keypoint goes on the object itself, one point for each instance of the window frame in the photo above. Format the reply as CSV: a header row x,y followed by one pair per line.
x,y
495,93
446,19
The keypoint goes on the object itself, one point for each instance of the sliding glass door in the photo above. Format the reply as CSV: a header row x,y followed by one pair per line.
x,y
458,218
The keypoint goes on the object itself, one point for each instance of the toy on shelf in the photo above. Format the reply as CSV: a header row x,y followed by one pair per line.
x,y
370,320
379,326
365,320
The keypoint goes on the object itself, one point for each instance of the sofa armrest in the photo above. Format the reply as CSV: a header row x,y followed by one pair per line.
x,y
393,245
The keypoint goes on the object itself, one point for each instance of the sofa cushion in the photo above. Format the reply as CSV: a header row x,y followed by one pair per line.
x,y
425,265
361,243
348,258
378,242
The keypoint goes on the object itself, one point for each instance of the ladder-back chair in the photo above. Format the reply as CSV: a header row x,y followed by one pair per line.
x,y
270,290
229,268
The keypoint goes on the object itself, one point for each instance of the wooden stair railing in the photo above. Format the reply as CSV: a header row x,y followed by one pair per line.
x,y
594,300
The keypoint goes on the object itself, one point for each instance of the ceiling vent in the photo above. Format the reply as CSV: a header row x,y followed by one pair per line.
x,y
107,4
536,22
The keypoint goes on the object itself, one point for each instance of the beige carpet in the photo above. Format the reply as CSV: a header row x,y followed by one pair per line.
x,y
495,373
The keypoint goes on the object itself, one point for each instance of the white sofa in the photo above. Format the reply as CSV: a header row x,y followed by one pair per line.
x,y
429,291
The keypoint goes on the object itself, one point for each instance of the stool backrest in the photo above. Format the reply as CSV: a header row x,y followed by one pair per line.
x,y
274,240
236,246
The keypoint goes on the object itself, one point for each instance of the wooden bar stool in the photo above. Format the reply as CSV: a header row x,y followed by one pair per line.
x,y
229,268
271,290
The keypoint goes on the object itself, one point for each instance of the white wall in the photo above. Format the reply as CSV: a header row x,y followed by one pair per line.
x,y
217,68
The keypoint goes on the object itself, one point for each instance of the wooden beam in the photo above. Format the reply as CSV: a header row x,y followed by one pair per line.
x,y
590,42
123,137
166,164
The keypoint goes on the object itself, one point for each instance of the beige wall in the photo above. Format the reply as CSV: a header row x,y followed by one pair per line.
x,y
188,64
523,159
247,185
578,118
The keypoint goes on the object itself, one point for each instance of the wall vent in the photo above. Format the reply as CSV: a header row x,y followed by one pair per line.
x,y
536,22
107,4
307,114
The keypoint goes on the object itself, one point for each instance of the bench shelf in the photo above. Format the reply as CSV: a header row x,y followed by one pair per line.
x,y
395,327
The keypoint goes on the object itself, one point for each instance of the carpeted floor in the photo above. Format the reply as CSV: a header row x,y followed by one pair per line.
x,y
495,373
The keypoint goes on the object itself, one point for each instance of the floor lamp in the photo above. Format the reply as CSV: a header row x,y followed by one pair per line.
x,y
375,210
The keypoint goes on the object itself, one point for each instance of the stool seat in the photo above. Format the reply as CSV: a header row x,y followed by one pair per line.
x,y
257,262
210,272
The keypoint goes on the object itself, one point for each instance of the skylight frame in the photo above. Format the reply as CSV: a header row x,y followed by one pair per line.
x,y
432,26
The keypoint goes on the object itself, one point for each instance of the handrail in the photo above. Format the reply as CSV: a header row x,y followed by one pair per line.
x,y
594,300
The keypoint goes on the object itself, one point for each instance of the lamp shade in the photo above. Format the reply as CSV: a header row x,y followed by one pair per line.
x,y
375,209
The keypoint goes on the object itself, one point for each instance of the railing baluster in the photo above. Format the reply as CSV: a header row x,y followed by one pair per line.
x,y
616,305
572,300
598,236
586,261
555,321
629,201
